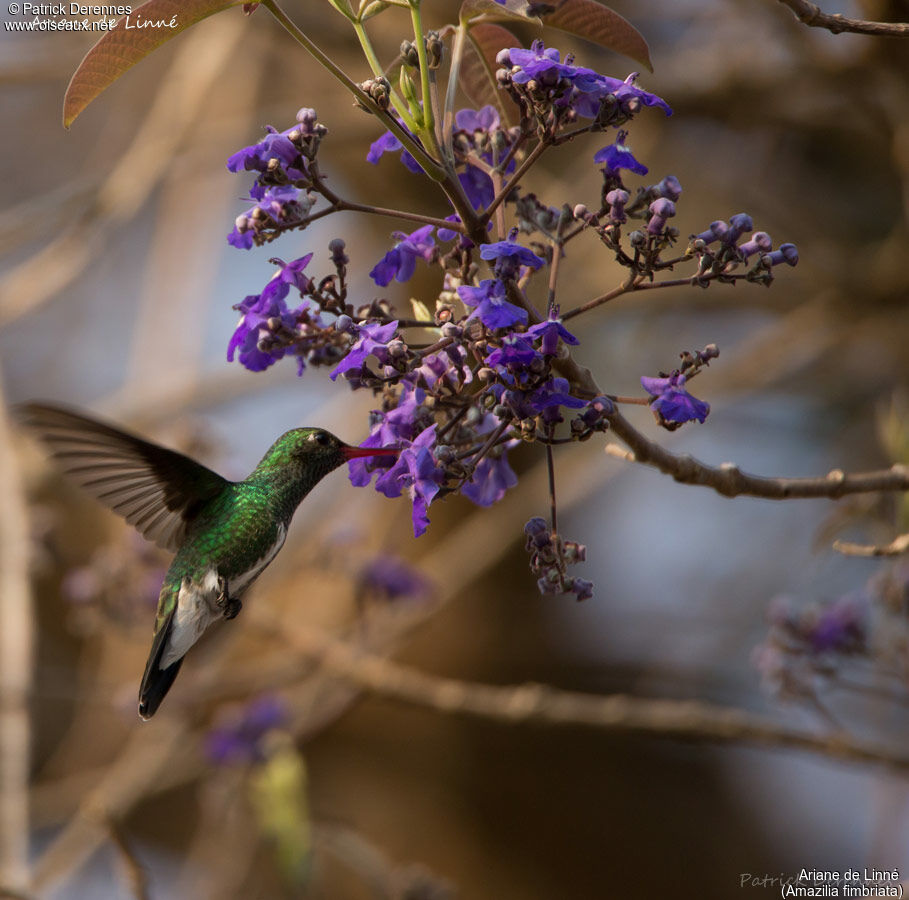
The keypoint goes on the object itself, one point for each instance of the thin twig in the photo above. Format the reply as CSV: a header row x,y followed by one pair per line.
x,y
809,14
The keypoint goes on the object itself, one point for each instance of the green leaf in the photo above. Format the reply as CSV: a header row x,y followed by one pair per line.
x,y
594,22
121,48
478,69
420,310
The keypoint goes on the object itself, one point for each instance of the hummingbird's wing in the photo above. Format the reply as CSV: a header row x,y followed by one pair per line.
x,y
157,490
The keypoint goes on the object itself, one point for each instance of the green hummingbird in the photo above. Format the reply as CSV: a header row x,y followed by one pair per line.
x,y
224,532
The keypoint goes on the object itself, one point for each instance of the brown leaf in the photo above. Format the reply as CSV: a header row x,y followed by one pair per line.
x,y
511,9
478,69
594,22
128,42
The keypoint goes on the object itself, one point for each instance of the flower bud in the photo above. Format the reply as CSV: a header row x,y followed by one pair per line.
x,y
670,188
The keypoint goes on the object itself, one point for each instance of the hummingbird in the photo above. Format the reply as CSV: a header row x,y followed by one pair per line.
x,y
224,532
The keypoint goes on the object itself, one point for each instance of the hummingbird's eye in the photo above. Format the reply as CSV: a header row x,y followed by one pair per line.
x,y
320,437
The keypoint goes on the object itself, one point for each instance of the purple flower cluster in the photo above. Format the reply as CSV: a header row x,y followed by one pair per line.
x,y
282,161
549,558
268,329
540,81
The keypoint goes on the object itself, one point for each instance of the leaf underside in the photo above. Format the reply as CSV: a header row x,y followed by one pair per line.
x,y
121,48
594,22
478,69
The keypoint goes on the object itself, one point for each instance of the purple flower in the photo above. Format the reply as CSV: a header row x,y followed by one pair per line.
x,y
550,332
390,429
491,478
273,206
388,143
275,145
541,64
509,257
671,402
415,470
547,399
240,738
591,92
474,129
373,340
472,120
264,312
491,307
448,367
515,354
617,156
401,260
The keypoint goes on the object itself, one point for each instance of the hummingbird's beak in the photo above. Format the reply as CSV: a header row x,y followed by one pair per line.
x,y
358,452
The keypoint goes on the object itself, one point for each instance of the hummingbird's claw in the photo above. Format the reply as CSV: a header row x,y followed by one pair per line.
x,y
228,605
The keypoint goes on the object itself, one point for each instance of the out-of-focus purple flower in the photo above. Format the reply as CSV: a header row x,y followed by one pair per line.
x,y
372,341
550,332
491,307
491,478
839,627
401,260
393,578
509,256
240,738
388,143
617,156
671,402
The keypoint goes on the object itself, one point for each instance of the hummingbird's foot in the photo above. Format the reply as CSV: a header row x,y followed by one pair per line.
x,y
228,605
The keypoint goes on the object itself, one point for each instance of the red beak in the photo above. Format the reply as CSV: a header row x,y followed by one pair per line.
x,y
357,452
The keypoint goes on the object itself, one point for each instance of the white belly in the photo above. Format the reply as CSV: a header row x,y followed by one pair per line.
x,y
197,603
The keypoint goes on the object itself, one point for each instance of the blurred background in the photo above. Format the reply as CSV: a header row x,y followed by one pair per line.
x,y
265,774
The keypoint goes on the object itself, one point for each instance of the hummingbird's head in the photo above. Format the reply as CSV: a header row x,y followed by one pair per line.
x,y
314,452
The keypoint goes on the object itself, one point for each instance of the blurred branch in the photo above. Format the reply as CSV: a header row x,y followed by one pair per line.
x,y
136,876
149,753
896,547
543,705
175,112
16,641
730,481
809,14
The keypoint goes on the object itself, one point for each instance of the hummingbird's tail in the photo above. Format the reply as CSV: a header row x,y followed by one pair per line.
x,y
155,685
156,681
